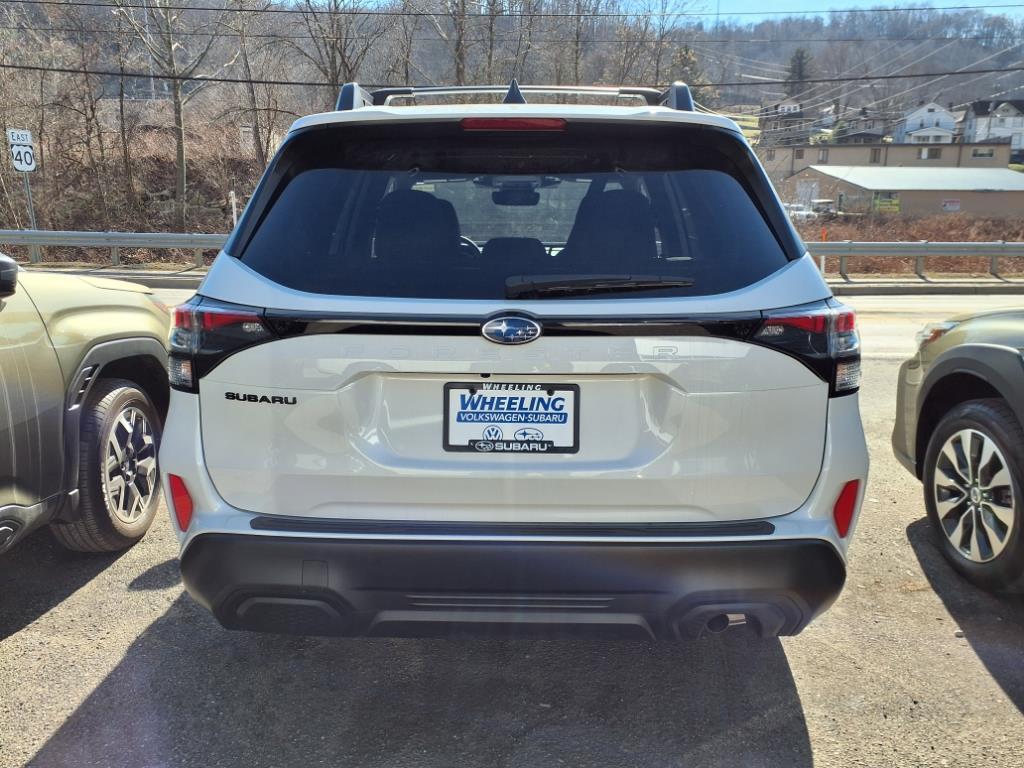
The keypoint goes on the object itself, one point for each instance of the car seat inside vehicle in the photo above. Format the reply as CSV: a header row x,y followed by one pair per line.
x,y
611,228
416,228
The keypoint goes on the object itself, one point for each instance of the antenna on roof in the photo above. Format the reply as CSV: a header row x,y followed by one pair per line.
x,y
514,95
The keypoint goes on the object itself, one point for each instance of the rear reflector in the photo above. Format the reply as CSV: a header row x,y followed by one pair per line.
x,y
513,124
842,512
181,502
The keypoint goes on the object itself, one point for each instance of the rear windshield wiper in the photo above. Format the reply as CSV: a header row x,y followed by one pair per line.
x,y
526,286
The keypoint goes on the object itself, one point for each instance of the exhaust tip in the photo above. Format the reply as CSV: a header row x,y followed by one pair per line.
x,y
8,530
721,622
718,624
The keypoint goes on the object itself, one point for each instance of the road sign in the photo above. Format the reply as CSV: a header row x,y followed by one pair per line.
x,y
22,154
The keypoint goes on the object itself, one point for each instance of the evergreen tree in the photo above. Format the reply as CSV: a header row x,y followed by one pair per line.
x,y
686,67
800,71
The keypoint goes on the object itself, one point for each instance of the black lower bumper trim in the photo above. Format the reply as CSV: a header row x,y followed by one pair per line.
x,y
292,524
439,588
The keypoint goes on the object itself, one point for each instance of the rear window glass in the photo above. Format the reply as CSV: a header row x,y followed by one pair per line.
x,y
443,214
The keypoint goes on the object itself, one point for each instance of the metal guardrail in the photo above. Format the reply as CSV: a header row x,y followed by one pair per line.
x,y
919,251
200,243
115,241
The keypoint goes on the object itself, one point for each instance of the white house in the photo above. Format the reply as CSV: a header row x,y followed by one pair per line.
x,y
929,123
989,120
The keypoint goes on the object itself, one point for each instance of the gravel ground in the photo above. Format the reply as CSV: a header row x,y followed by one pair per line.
x,y
106,662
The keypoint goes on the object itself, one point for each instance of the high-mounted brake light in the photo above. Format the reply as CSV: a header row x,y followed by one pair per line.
x,y
846,504
204,333
181,502
513,124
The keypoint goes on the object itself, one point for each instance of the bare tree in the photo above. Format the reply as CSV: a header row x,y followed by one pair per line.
x,y
255,53
494,9
124,129
665,26
342,33
180,61
526,24
633,33
402,32
451,23
579,28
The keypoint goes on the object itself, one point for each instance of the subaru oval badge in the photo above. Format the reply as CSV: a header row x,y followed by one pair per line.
x,y
510,329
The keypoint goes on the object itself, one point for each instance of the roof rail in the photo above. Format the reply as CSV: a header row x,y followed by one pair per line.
x,y
352,96
677,96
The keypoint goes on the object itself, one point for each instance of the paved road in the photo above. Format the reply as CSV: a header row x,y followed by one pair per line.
x,y
105,662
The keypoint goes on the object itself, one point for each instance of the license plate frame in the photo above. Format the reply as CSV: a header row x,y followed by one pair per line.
x,y
504,444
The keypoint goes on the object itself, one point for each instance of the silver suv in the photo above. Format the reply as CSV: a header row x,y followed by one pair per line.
x,y
515,366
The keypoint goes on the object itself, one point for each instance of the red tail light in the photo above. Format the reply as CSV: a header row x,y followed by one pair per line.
x,y
513,124
846,321
823,336
809,323
204,333
181,502
842,512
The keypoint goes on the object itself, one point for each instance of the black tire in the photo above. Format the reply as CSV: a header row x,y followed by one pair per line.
x,y
99,528
997,422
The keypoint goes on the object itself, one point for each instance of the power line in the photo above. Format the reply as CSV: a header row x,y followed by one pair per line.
x,y
482,14
154,76
1005,70
239,80
690,41
932,82
830,93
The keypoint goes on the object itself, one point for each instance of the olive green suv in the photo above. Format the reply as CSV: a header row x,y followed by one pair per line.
x,y
959,411
83,394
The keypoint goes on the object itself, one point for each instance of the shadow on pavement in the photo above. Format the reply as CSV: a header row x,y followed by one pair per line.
x,y
38,574
992,624
161,576
190,693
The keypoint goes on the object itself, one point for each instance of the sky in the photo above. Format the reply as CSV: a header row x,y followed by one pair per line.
x,y
728,8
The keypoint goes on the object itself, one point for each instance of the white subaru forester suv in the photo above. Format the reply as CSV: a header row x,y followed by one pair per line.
x,y
514,366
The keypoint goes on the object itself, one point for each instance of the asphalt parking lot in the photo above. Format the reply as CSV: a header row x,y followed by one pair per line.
x,y
106,662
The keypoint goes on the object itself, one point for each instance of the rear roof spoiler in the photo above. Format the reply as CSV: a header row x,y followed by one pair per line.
x,y
353,96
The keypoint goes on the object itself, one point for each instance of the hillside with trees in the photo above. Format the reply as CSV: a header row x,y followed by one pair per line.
x,y
148,115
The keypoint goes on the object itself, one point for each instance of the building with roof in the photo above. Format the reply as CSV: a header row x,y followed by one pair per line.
x,y
785,123
927,123
987,120
782,162
861,126
915,191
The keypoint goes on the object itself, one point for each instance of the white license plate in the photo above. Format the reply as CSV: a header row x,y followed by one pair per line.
x,y
500,417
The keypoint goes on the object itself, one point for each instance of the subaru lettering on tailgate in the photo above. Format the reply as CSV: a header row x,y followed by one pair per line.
x,y
499,417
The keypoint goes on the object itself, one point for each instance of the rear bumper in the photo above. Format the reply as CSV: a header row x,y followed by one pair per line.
x,y
438,588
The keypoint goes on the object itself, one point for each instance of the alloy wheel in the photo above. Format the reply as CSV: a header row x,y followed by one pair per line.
x,y
974,495
129,465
